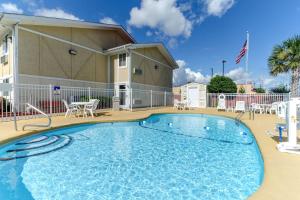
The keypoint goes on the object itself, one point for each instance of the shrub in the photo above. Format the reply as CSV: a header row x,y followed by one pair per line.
x,y
221,84
5,105
242,90
280,89
259,90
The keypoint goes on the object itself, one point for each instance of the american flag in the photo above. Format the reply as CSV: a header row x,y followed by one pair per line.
x,y
242,53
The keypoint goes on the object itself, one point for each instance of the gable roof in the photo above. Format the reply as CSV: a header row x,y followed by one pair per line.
x,y
11,19
163,50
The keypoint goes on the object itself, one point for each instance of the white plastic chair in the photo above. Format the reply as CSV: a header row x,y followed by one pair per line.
x,y
186,105
281,110
273,108
70,108
221,102
177,104
257,108
240,106
90,107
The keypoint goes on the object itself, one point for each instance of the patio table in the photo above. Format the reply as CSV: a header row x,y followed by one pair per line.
x,y
80,105
265,107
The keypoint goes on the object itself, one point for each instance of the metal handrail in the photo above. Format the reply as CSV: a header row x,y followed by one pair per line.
x,y
29,106
238,118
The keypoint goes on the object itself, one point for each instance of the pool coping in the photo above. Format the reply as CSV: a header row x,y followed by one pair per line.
x,y
261,192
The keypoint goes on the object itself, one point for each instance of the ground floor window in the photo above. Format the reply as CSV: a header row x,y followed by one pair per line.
x,y
5,81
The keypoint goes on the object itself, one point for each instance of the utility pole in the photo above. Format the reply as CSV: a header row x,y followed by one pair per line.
x,y
223,62
212,72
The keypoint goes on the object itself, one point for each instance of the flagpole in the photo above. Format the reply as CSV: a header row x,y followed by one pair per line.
x,y
247,54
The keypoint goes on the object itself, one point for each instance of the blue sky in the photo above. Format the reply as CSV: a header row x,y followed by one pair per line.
x,y
199,33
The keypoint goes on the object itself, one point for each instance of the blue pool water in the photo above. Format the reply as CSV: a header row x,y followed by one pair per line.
x,y
168,156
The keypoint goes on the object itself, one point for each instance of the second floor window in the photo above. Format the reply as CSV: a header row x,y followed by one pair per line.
x,y
5,45
122,60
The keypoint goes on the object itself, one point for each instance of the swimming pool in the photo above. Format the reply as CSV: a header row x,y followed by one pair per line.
x,y
166,156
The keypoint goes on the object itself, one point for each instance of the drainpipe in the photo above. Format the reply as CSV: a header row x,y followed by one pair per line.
x,y
15,42
129,68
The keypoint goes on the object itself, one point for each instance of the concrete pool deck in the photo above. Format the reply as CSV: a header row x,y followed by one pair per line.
x,y
282,170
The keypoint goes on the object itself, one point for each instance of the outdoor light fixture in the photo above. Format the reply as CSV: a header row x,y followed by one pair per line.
x,y
73,52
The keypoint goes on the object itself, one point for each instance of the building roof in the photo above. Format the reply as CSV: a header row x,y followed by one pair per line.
x,y
163,50
9,19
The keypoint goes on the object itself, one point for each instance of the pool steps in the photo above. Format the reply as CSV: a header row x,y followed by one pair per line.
x,y
40,147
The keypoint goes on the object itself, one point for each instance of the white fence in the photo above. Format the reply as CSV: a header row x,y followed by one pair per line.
x,y
212,99
50,98
151,98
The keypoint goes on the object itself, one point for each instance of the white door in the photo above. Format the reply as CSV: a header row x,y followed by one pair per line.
x,y
202,99
122,92
193,97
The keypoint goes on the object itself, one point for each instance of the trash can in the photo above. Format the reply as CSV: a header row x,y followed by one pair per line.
x,y
116,103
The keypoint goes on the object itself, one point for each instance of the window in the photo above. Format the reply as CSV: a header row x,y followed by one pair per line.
x,y
122,60
5,45
6,81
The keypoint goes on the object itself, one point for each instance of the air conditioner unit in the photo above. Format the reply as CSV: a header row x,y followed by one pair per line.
x,y
137,71
4,59
137,101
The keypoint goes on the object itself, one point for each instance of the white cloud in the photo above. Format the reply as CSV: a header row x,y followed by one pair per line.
x,y
108,20
163,15
185,7
184,74
270,81
55,12
32,3
217,7
10,8
238,75
149,33
173,42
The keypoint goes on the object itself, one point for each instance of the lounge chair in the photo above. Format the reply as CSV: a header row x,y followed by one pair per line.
x,y
90,107
221,102
70,108
240,106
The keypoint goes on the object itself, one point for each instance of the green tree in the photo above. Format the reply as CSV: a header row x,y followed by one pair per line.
x,y
280,89
259,90
286,58
221,84
242,90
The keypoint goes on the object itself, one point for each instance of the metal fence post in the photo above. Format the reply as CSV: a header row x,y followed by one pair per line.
x,y
151,99
131,99
50,98
165,99
89,90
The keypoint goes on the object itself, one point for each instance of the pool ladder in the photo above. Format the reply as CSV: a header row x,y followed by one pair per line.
x,y
28,107
238,118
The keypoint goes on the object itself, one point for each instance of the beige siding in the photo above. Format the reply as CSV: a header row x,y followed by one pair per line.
x,y
162,76
42,56
120,73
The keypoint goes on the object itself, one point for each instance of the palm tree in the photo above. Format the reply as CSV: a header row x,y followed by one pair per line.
x,y
286,58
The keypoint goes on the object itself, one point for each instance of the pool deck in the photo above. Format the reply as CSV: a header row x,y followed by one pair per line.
x,y
282,170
